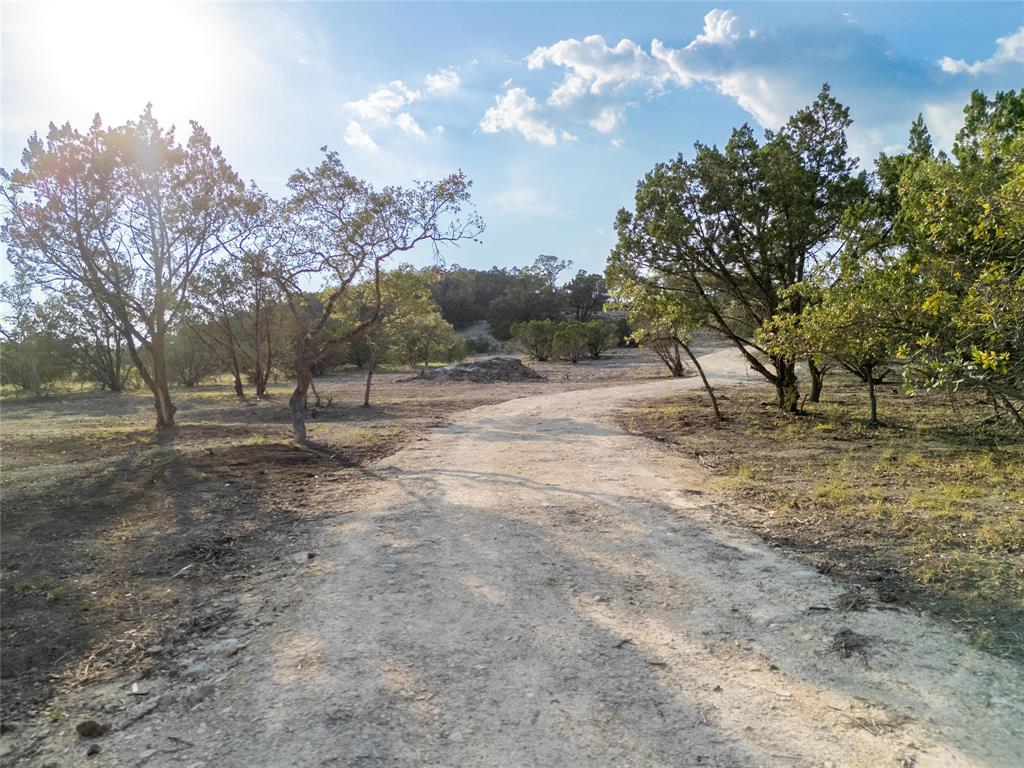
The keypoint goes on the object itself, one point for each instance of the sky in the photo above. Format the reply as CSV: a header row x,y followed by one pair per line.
x,y
554,110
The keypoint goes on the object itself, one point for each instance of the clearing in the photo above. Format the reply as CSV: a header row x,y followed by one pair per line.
x,y
532,585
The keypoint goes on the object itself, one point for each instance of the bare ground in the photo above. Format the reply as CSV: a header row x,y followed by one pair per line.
x,y
530,585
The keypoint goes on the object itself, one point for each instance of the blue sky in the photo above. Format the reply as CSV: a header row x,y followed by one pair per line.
x,y
554,110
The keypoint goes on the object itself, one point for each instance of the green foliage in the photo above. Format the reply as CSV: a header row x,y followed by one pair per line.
x,y
537,337
601,336
479,345
731,229
571,340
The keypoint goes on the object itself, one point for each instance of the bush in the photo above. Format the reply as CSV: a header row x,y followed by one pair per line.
x,y
571,340
601,336
479,345
537,337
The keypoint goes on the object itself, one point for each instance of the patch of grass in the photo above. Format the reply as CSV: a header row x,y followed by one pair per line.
x,y
926,508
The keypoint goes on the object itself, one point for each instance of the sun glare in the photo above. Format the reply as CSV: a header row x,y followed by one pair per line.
x,y
115,57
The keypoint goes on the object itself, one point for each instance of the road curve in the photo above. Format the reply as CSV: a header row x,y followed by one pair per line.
x,y
531,586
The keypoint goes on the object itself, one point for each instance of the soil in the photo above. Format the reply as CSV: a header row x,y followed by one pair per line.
x,y
531,585
483,371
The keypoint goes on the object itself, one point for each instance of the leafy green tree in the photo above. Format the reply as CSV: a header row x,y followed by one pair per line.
x,y
537,337
127,215
731,229
34,356
663,319
961,229
337,228
601,336
571,340
585,294
93,343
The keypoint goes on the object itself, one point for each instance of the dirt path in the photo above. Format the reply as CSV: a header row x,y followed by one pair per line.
x,y
532,587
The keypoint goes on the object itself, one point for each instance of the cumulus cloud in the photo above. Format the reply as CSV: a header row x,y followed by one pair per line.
x,y
384,108
517,111
408,123
443,81
592,66
355,136
607,119
382,104
1009,51
719,27
769,73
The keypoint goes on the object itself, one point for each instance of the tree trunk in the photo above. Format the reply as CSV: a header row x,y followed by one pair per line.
x,y
297,403
707,385
785,385
817,380
239,389
874,401
161,386
369,379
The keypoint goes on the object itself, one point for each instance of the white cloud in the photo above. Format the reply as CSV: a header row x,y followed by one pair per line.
x,y
616,143
592,66
382,104
607,120
355,136
408,123
719,27
1009,50
516,111
443,81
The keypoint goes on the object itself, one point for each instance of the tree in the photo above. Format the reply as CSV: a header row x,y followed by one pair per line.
x,y
408,324
127,215
601,336
94,343
960,227
585,294
663,319
548,268
537,337
190,359
570,340
33,355
731,229
854,321
337,228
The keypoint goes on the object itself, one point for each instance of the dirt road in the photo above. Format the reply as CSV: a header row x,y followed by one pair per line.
x,y
530,586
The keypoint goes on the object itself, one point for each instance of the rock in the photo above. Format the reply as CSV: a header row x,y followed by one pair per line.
x,y
229,646
303,557
90,729
94,749
154,650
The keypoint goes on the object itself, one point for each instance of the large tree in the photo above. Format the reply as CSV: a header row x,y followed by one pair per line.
x,y
339,230
127,215
733,228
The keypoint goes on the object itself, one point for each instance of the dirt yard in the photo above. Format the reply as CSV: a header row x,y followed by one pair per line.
x,y
523,584
925,511
118,546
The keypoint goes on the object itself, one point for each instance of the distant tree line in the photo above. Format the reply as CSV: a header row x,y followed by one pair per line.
x,y
915,269
503,297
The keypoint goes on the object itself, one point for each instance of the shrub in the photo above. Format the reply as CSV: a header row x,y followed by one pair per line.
x,y
537,337
571,340
479,345
601,336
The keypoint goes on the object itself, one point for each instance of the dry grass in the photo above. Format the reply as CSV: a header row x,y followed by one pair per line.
x,y
928,508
